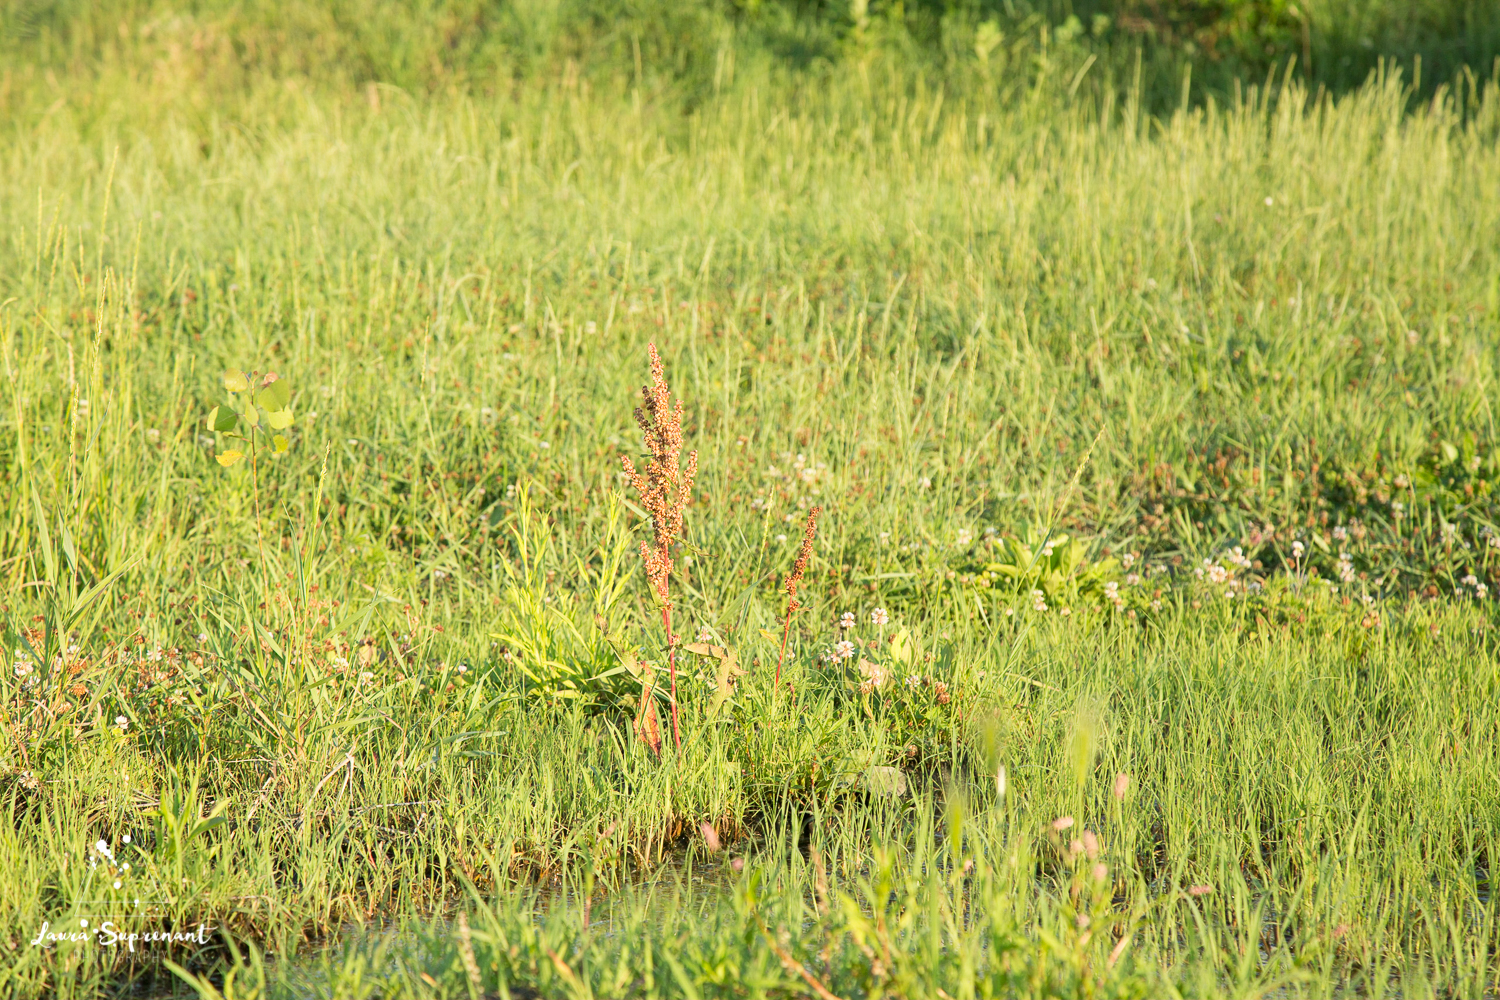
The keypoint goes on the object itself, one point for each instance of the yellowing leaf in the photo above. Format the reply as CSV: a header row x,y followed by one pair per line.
x,y
728,673
236,381
901,650
228,458
275,395
279,419
725,679
251,416
279,443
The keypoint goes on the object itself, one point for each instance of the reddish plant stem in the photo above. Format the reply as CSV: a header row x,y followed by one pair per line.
x,y
785,631
666,621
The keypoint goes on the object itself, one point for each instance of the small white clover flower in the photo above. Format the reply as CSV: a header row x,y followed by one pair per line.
x,y
846,620
924,483
879,617
122,723
704,635
843,650
914,681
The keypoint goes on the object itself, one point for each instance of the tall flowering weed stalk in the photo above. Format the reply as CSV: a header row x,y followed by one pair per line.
x,y
794,580
665,490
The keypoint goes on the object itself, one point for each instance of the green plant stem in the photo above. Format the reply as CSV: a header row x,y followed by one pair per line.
x,y
786,631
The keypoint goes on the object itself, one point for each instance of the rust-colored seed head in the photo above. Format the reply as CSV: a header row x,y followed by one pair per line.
x,y
665,489
803,555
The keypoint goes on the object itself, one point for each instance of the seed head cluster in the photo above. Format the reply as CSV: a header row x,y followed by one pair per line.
x,y
794,580
665,488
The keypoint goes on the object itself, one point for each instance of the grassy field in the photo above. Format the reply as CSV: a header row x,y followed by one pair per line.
x,y
1160,447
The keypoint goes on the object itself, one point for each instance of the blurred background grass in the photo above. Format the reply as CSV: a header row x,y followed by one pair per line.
x,y
483,45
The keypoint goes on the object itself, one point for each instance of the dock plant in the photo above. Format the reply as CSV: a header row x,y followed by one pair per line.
x,y
665,488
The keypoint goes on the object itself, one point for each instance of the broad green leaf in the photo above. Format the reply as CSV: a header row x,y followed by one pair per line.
x,y
885,782
224,418
279,443
236,381
279,419
275,396
228,458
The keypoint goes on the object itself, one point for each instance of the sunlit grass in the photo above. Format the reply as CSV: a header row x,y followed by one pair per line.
x,y
955,321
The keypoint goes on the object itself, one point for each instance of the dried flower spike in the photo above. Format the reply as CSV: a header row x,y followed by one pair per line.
x,y
794,580
664,488
665,491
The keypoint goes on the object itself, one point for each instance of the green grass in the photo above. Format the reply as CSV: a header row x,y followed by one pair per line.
x,y
932,307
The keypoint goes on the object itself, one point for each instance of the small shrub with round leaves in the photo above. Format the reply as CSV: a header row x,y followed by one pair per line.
x,y
259,404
